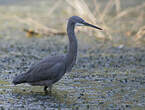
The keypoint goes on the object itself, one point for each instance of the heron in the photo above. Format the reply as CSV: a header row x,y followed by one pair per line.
x,y
51,69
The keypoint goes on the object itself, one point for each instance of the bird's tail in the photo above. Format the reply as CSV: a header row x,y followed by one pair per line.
x,y
20,79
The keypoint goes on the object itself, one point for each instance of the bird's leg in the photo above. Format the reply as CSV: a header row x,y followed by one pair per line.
x,y
50,88
45,89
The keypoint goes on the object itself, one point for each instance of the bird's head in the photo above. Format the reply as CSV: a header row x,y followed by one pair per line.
x,y
80,22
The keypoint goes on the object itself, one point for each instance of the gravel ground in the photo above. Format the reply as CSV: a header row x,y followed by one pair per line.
x,y
105,77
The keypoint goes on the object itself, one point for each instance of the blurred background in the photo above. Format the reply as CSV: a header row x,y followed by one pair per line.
x,y
123,21
110,71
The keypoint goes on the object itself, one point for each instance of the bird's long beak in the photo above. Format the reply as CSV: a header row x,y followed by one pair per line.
x,y
87,24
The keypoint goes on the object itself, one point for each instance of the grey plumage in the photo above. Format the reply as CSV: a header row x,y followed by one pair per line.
x,y
51,69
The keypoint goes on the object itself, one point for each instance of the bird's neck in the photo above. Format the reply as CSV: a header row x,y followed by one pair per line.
x,y
72,52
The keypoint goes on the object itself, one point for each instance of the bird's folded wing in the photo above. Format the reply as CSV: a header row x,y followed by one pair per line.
x,y
45,71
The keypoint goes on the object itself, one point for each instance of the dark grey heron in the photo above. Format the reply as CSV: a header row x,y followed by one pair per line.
x,y
51,69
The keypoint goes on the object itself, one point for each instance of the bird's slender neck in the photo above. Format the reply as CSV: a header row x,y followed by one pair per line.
x,y
70,57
